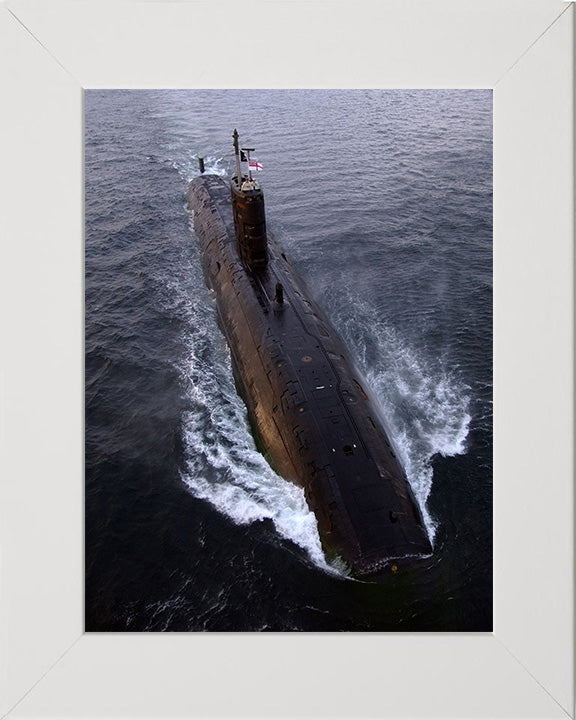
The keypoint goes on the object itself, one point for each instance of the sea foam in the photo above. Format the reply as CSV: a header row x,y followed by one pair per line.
x,y
425,404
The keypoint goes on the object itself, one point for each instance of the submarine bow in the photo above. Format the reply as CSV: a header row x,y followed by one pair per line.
x,y
311,411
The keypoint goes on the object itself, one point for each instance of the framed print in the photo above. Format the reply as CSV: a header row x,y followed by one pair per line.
x,y
55,53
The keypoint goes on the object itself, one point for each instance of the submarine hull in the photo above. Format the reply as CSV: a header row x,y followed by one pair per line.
x,y
310,409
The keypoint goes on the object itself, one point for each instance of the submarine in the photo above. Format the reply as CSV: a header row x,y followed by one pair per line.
x,y
310,410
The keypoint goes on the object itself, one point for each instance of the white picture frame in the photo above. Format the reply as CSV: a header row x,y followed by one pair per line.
x,y
51,51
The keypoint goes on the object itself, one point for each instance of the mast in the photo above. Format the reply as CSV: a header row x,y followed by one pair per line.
x,y
237,153
248,151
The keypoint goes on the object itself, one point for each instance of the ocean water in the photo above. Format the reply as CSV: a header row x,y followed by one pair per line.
x,y
383,201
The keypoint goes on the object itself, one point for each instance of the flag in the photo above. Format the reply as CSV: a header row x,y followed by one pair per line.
x,y
255,165
243,157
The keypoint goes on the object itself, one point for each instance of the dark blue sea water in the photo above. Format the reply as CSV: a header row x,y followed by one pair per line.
x,y
383,201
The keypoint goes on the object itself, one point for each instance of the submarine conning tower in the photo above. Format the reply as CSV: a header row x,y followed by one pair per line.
x,y
248,212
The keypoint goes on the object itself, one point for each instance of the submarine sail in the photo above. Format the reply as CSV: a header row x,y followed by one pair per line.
x,y
310,409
